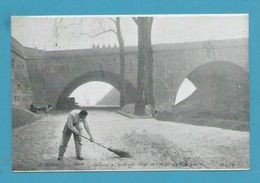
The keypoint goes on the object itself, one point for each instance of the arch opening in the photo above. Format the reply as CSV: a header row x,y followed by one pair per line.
x,y
65,102
96,93
222,92
186,89
220,99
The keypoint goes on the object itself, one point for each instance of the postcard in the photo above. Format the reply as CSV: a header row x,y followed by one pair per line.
x,y
136,92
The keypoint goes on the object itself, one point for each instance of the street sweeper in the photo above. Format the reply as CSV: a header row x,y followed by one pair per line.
x,y
73,126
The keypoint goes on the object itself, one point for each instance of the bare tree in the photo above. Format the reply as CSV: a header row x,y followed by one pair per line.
x,y
120,40
145,59
145,65
122,61
59,27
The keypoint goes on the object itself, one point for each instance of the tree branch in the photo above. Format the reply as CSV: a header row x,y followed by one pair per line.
x,y
100,33
59,28
72,24
113,20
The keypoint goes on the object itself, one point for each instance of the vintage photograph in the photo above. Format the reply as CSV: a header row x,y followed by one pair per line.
x,y
130,93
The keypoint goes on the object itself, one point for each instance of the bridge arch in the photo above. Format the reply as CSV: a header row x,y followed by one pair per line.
x,y
222,89
218,70
103,76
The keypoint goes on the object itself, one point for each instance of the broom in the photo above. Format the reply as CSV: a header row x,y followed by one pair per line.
x,y
122,154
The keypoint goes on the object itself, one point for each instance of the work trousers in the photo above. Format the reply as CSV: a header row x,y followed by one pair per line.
x,y
66,134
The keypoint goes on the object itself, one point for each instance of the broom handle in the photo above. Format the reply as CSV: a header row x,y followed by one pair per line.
x,y
93,141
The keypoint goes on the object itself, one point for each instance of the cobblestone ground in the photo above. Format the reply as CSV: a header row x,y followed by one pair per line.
x,y
153,145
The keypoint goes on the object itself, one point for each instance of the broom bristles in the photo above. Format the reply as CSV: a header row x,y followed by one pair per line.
x,y
120,153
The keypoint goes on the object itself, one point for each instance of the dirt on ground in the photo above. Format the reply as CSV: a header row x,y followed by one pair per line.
x,y
22,116
153,145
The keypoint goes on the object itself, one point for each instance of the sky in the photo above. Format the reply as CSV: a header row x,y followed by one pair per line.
x,y
74,32
61,33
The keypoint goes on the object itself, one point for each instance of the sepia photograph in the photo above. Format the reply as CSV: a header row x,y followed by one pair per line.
x,y
130,92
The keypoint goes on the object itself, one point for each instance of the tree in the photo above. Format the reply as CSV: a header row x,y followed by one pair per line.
x,y
145,65
145,59
120,40
122,62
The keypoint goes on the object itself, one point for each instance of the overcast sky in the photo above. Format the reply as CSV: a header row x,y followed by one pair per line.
x,y
53,33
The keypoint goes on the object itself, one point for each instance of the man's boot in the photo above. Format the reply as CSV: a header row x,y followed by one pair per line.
x,y
80,158
62,150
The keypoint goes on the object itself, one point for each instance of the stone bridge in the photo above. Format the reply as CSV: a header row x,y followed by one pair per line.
x,y
55,74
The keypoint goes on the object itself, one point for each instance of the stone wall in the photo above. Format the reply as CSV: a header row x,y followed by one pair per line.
x,y
22,94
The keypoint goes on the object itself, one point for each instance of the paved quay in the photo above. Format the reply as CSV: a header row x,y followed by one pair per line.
x,y
154,145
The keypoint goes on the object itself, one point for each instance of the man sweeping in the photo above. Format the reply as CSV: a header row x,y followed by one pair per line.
x,y
75,118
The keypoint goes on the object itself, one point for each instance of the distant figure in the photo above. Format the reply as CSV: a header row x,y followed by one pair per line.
x,y
43,109
150,110
72,125
33,108
48,108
